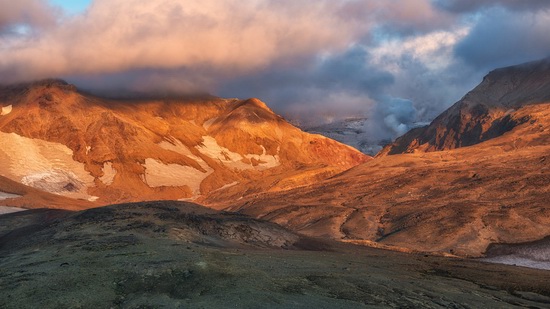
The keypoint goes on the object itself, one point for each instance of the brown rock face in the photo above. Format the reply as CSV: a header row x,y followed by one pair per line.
x,y
490,110
66,142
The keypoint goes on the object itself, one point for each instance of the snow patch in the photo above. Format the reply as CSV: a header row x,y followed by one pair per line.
x,y
5,196
266,161
44,165
88,148
8,210
211,148
55,181
6,110
109,174
158,174
533,255
173,144
517,260
229,185
208,123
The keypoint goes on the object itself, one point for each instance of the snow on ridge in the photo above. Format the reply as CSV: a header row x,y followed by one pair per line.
x,y
211,148
8,210
158,174
6,110
5,196
45,165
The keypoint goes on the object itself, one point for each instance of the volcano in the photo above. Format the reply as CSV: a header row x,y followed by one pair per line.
x,y
62,141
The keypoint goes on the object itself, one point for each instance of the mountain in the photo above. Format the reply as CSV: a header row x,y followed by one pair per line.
x,y
60,140
278,199
179,255
237,155
506,99
457,200
350,131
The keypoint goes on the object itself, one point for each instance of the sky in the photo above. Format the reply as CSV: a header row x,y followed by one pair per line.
x,y
396,62
72,6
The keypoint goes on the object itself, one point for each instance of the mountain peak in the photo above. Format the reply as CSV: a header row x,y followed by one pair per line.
x,y
50,82
513,86
253,103
54,83
497,105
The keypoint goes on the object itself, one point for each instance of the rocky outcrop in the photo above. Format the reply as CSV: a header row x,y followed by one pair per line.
x,y
488,111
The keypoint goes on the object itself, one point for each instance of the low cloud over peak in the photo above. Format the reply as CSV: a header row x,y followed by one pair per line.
x,y
230,36
305,58
461,6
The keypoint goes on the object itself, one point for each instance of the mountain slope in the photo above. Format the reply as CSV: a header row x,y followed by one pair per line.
x,y
14,194
494,107
458,200
62,141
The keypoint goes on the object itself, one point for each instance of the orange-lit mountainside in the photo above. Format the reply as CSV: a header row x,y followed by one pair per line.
x,y
239,156
457,200
60,140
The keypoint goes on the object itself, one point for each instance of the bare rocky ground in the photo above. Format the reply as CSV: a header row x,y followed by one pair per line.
x,y
180,255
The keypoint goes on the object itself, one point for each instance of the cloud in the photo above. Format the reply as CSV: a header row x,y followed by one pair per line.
x,y
389,118
308,59
233,36
328,87
462,6
425,69
503,38
30,13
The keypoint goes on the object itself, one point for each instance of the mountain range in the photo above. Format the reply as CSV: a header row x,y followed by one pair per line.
x,y
477,175
474,183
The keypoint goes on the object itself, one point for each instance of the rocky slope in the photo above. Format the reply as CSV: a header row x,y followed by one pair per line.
x,y
179,255
490,110
456,202
62,141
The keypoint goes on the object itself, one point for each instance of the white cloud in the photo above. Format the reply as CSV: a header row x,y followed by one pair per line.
x,y
232,36
434,50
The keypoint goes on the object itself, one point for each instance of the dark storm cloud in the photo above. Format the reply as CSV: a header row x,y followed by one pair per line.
x,y
503,38
338,84
462,6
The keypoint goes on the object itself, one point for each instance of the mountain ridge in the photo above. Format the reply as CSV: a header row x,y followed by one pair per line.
x,y
490,110
111,151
